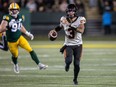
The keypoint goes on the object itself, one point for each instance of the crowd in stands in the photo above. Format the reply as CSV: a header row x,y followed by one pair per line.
x,y
42,5
106,5
106,8
58,5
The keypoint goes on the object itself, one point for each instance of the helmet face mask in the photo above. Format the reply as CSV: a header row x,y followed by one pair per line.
x,y
14,12
71,11
71,14
14,9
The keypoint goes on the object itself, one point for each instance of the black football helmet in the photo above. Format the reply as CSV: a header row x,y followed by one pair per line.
x,y
71,8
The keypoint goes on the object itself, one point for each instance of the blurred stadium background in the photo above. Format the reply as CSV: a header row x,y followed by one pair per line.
x,y
43,15
98,65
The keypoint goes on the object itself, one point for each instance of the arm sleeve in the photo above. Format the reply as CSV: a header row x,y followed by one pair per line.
x,y
58,28
82,20
23,18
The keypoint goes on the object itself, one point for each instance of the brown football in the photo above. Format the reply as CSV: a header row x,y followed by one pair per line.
x,y
52,35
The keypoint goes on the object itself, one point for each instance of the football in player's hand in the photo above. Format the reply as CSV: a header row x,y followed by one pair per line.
x,y
52,35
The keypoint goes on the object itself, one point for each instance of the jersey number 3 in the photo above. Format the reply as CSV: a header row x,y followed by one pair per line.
x,y
71,33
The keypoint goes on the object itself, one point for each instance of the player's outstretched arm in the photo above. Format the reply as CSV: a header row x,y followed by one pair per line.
x,y
23,30
3,26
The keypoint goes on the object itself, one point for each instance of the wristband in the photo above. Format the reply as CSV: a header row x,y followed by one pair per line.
x,y
27,33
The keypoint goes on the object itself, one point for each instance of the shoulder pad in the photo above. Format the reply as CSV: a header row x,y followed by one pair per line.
x,y
63,20
82,20
5,17
0,34
23,17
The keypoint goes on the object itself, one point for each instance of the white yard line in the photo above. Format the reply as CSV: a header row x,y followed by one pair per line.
x,y
54,76
57,68
41,85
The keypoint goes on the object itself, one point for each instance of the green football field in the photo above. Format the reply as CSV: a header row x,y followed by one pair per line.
x,y
98,66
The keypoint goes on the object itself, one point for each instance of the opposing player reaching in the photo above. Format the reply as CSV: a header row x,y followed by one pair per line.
x,y
3,42
73,26
12,24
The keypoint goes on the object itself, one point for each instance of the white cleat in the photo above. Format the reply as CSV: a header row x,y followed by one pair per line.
x,y
42,66
16,68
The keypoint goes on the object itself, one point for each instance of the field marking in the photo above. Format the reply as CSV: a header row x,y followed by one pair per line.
x,y
62,85
51,68
84,45
54,76
41,85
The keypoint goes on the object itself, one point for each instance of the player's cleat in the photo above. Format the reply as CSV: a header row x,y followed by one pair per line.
x,y
16,68
42,66
75,82
66,68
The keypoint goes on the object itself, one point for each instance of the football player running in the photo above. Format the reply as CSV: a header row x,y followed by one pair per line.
x,y
12,24
73,26
3,42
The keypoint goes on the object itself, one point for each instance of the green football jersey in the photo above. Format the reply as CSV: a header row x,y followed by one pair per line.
x,y
13,28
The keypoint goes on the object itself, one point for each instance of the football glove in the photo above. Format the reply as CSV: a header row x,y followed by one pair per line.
x,y
29,35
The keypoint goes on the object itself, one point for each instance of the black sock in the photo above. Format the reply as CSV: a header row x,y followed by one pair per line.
x,y
76,71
